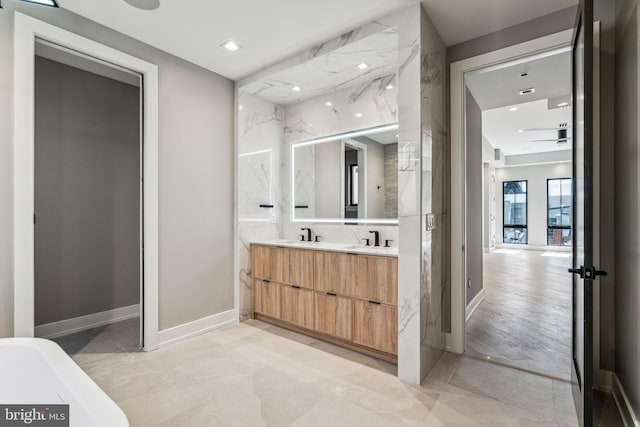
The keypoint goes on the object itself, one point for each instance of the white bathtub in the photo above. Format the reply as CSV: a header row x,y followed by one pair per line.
x,y
36,371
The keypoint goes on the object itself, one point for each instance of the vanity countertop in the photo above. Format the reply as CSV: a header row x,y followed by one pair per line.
x,y
332,247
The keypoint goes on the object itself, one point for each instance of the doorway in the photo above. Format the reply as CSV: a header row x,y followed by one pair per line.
x,y
88,218
519,213
28,31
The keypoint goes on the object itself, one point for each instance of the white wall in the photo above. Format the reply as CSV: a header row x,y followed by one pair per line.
x,y
195,173
536,176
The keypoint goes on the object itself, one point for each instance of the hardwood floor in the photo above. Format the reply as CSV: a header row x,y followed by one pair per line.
x,y
525,319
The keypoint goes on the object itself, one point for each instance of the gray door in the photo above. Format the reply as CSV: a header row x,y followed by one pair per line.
x,y
583,269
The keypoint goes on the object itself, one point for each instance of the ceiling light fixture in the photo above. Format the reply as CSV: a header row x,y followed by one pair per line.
x,y
520,130
363,66
358,115
528,91
296,88
231,46
241,107
389,87
513,109
328,103
144,4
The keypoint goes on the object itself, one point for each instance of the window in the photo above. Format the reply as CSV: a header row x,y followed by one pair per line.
x,y
514,219
559,212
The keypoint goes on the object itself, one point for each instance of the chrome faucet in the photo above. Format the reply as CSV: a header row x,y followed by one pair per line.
x,y
376,238
308,230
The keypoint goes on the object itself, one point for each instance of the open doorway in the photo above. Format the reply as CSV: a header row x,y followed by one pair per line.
x,y
88,193
518,213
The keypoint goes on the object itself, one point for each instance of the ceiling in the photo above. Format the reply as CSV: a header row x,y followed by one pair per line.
x,y
500,126
496,91
461,20
270,31
550,76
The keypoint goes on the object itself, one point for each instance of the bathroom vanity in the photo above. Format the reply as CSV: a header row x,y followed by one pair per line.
x,y
341,293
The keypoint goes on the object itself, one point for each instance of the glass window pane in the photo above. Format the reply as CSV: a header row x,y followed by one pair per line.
x,y
559,211
514,219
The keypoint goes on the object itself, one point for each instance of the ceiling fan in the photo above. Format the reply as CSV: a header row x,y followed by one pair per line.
x,y
562,134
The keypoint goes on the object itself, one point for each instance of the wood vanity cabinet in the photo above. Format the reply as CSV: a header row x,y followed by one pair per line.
x,y
375,325
334,315
349,299
266,298
296,305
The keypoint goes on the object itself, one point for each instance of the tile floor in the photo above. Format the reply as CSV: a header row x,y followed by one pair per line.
x,y
256,374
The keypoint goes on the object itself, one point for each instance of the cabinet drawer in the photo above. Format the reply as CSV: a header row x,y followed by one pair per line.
x,y
267,263
375,326
382,280
266,298
343,274
298,267
297,306
333,315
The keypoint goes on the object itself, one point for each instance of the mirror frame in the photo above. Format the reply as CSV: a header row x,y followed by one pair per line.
x,y
330,138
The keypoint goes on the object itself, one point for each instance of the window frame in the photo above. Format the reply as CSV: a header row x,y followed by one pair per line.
x,y
516,226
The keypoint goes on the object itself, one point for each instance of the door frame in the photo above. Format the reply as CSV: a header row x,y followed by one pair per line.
x,y
456,338
26,31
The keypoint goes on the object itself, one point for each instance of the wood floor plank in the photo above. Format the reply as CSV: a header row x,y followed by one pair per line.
x,y
525,319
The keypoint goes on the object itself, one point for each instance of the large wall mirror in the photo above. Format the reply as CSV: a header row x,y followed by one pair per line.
x,y
347,178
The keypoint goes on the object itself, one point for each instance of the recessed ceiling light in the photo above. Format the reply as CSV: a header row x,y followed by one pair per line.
x,y
144,4
513,109
231,46
240,107
397,136
328,103
363,66
520,130
389,87
296,88
563,104
358,115
528,91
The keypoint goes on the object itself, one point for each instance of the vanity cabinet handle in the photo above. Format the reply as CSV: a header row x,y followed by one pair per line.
x,y
266,281
374,302
333,294
295,286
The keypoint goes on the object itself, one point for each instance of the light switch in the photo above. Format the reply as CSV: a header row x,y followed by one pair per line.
x,y
431,222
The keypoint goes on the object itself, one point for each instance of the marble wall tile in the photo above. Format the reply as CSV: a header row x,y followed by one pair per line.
x,y
434,165
374,104
259,182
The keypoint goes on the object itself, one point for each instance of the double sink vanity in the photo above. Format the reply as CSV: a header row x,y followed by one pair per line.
x,y
342,293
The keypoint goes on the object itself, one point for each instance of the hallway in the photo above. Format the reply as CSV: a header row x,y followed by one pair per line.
x,y
525,319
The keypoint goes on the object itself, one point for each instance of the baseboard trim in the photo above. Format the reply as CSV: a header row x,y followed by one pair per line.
x,y
629,417
473,304
90,321
197,327
533,247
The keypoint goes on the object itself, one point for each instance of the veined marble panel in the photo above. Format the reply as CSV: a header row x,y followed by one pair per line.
x,y
259,182
333,66
434,164
370,104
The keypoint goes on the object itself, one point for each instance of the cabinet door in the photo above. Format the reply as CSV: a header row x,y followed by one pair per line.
x,y
267,262
333,315
266,298
297,306
298,267
338,273
375,326
382,280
